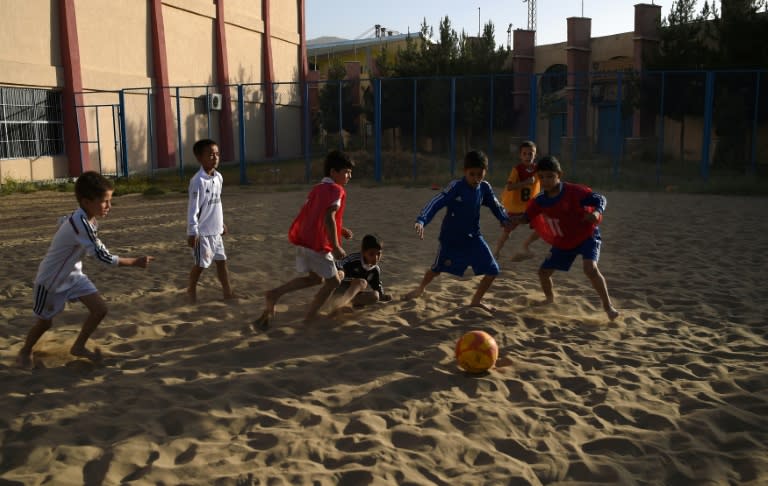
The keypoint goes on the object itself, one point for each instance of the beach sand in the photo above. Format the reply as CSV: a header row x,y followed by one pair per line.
x,y
675,392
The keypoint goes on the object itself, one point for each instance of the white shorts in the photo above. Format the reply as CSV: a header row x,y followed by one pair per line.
x,y
314,261
48,304
208,249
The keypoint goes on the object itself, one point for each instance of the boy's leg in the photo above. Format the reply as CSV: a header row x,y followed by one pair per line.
x,y
428,277
485,284
598,282
329,285
24,358
355,287
531,238
545,277
503,237
223,273
272,296
97,310
194,276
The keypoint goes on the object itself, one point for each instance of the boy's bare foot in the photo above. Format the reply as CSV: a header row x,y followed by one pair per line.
x,y
24,360
262,323
612,313
413,294
522,256
485,307
231,296
192,296
94,356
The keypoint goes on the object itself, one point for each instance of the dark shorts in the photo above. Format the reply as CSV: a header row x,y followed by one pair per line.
x,y
455,260
563,259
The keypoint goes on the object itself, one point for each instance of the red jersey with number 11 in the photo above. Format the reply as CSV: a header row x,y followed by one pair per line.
x,y
560,220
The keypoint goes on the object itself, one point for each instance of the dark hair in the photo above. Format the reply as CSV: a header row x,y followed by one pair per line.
x,y
92,185
201,145
549,163
337,160
476,159
527,143
371,241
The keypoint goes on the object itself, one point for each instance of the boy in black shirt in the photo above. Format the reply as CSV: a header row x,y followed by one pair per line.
x,y
361,284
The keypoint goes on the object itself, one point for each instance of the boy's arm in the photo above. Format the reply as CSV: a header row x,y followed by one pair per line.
x,y
332,232
193,210
493,203
596,201
438,202
142,262
376,285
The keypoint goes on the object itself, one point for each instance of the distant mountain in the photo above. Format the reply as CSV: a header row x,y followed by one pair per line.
x,y
325,40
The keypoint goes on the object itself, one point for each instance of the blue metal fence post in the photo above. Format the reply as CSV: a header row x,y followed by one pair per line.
x,y
376,129
123,134
415,120
98,139
490,126
307,128
341,114
660,142
151,133
753,157
533,108
619,132
275,145
178,133
452,136
709,101
241,132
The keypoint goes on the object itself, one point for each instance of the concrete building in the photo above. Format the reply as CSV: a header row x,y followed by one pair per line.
x,y
63,64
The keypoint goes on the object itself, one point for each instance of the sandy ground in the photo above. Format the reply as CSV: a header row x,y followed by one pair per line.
x,y
674,392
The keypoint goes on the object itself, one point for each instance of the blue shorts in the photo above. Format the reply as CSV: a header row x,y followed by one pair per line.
x,y
455,260
563,259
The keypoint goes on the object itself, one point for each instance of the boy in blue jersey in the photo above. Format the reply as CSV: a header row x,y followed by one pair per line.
x,y
461,243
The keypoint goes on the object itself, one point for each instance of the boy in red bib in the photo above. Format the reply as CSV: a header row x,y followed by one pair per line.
x,y
566,216
317,233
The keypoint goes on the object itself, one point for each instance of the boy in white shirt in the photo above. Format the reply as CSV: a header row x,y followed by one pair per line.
x,y
60,277
205,219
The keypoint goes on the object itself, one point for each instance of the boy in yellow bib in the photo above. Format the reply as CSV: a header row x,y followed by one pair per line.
x,y
522,186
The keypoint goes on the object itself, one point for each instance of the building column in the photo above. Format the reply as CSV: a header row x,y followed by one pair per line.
x,y
78,160
268,79
226,136
164,132
578,53
646,40
304,72
523,58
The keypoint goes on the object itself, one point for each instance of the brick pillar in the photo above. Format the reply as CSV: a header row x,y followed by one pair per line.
x,y
79,160
646,40
226,135
578,52
523,57
268,78
164,129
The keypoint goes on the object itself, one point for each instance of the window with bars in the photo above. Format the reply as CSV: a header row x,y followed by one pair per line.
x,y
30,123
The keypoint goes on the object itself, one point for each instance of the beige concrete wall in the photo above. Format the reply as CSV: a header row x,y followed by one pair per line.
x,y
116,53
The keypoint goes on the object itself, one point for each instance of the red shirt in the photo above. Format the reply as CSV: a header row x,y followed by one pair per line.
x,y
560,220
308,229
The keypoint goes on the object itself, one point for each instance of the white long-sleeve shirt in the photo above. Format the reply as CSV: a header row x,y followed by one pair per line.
x,y
75,238
205,216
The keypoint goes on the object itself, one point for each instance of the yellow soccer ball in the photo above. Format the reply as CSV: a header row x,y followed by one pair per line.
x,y
476,351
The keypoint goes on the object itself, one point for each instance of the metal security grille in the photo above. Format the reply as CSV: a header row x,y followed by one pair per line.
x,y
30,123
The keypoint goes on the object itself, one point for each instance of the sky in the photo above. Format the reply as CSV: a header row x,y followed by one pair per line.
x,y
354,19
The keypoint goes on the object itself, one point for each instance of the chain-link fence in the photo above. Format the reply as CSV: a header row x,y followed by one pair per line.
x,y
636,129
